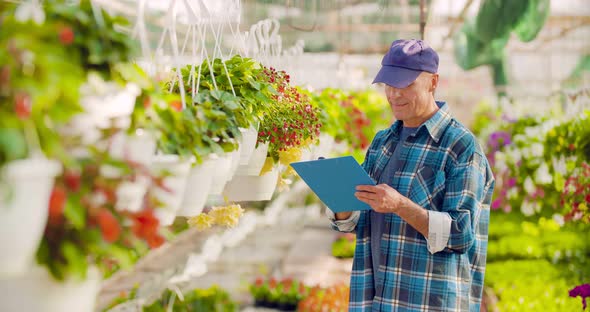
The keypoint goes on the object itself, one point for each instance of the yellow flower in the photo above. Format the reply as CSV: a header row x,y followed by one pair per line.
x,y
201,222
583,207
228,216
268,165
291,155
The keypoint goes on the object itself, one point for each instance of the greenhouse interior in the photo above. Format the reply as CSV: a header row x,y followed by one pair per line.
x,y
348,155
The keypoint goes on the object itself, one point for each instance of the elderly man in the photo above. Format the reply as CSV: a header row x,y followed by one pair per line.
x,y
422,246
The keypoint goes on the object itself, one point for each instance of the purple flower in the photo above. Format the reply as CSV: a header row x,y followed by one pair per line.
x,y
582,291
496,204
499,139
511,182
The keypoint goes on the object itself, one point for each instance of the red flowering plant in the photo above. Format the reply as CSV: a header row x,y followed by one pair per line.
x,y
87,225
39,82
353,117
292,121
284,294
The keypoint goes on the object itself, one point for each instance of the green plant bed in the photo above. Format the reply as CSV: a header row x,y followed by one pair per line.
x,y
531,285
344,246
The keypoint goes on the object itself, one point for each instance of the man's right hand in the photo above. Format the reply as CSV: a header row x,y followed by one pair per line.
x,y
343,215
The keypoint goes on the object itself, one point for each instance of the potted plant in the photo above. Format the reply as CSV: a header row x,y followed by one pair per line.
x,y
38,93
291,124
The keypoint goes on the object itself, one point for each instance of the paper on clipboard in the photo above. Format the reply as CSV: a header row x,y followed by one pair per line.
x,y
334,181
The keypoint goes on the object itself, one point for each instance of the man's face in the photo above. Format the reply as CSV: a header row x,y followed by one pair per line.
x,y
412,103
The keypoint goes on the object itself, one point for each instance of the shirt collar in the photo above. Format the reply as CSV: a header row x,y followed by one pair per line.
x,y
435,125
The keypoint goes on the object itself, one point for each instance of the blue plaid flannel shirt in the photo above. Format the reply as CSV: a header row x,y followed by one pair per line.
x,y
444,169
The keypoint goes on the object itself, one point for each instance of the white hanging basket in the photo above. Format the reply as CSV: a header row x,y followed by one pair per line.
x,y
221,173
252,188
249,138
198,186
175,182
253,167
23,211
36,290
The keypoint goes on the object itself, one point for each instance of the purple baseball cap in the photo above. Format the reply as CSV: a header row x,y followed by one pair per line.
x,y
404,62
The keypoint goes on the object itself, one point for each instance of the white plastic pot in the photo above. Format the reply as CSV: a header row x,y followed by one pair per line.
x,y
139,148
24,205
221,173
252,188
175,183
198,186
36,290
235,161
248,144
256,162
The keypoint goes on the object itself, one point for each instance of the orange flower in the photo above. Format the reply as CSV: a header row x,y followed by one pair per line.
x,y
177,105
109,226
66,35
56,204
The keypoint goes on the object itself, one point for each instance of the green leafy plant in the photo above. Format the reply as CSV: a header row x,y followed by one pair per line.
x,y
283,294
344,246
212,299
93,34
39,81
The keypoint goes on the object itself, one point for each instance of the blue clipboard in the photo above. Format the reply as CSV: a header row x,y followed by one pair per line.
x,y
334,181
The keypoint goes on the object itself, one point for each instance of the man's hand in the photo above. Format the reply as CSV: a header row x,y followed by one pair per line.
x,y
385,199
382,198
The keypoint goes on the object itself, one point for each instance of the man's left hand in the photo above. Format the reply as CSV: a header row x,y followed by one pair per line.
x,y
382,198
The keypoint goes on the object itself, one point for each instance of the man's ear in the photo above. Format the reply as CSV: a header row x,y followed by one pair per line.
x,y
433,83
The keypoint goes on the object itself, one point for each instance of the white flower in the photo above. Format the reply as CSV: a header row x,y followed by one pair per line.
x,y
558,219
542,176
130,196
537,150
512,193
527,208
98,199
529,185
30,10
109,171
559,165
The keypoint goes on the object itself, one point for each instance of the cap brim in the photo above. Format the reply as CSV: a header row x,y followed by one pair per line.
x,y
398,77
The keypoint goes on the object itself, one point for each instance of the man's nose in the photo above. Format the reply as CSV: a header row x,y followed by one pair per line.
x,y
394,92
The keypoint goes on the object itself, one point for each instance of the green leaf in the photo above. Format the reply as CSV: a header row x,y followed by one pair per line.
x,y
75,212
558,181
76,259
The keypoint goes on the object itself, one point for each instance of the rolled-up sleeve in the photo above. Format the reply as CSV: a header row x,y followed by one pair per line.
x,y
465,193
346,225
439,230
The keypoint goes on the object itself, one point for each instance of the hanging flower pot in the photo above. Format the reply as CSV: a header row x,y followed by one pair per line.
x,y
175,185
197,188
23,210
36,290
252,188
221,172
248,144
253,167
